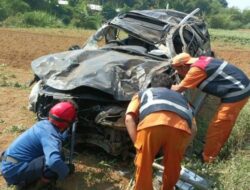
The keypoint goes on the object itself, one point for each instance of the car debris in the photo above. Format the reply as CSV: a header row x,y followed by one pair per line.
x,y
188,179
101,80
115,63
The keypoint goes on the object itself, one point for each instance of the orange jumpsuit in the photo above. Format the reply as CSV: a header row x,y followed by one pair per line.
x,y
159,130
223,121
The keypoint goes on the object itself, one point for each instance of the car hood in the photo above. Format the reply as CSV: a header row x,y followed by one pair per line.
x,y
109,70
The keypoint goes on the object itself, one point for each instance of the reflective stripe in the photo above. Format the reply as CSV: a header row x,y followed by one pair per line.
x,y
166,102
237,93
213,76
149,95
233,80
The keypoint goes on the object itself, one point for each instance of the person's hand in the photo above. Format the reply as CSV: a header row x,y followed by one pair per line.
x,y
174,87
71,168
44,180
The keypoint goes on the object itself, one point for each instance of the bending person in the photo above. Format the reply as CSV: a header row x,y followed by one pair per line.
x,y
159,118
221,79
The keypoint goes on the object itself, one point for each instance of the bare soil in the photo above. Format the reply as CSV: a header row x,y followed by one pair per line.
x,y
18,47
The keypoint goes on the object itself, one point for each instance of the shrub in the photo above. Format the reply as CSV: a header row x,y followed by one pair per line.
x,y
218,21
246,16
14,21
3,12
92,22
11,8
41,19
33,19
88,22
234,25
246,26
108,12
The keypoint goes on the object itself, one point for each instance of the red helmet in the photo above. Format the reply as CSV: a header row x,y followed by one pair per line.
x,y
62,115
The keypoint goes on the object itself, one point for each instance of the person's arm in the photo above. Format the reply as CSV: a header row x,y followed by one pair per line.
x,y
51,144
131,126
132,117
178,88
192,79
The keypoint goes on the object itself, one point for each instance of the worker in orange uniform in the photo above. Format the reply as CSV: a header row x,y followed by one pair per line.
x,y
221,79
159,118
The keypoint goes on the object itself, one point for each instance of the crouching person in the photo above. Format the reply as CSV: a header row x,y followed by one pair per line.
x,y
35,156
159,119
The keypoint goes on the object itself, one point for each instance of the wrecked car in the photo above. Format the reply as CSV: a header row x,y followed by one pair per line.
x,y
115,63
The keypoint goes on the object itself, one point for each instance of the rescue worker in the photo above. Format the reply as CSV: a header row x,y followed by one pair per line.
x,y
35,156
159,119
221,79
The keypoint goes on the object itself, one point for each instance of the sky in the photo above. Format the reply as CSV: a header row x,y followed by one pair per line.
x,y
241,4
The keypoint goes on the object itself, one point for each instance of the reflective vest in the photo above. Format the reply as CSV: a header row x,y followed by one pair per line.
x,y
223,80
159,99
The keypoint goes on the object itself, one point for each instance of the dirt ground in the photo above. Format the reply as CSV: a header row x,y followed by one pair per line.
x,y
95,169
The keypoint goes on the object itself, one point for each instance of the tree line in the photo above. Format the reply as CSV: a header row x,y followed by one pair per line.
x,y
78,13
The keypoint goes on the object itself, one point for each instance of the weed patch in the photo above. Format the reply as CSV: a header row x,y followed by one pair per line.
x,y
3,65
234,174
15,129
5,83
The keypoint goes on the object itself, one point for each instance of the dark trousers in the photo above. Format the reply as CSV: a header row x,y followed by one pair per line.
x,y
35,170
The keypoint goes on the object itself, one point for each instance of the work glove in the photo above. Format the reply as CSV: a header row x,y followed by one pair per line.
x,y
71,168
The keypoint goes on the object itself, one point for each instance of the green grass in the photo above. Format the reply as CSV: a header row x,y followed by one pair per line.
x,y
235,37
15,129
231,169
9,81
5,83
234,174
3,65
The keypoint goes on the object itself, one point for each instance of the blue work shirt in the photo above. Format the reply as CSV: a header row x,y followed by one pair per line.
x,y
41,139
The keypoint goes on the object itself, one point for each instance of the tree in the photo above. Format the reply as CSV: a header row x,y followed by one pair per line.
x,y
4,12
215,8
129,3
108,11
223,3
179,5
125,8
246,16
9,8
218,21
203,5
38,5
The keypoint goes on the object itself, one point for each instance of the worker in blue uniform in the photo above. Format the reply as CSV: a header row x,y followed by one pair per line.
x,y
36,156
